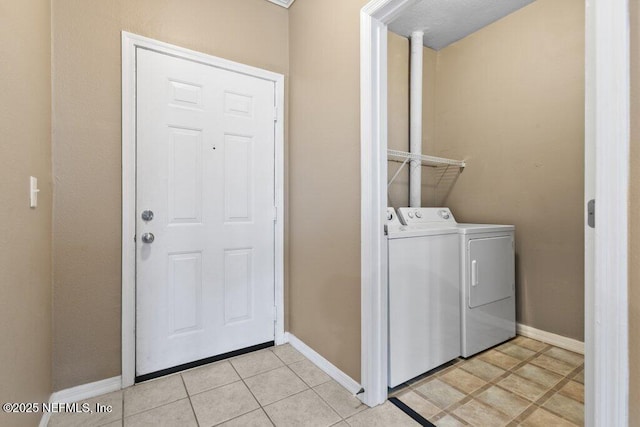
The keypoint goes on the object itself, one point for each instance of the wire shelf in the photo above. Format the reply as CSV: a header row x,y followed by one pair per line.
x,y
431,161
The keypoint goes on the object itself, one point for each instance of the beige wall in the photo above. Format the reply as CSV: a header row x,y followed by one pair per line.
x,y
510,100
324,179
634,219
25,234
87,153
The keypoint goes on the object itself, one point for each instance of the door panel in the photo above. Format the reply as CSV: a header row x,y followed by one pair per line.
x,y
185,176
238,188
238,285
205,167
185,288
491,265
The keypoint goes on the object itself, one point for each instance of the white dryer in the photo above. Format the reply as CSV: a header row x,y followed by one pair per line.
x,y
487,274
424,298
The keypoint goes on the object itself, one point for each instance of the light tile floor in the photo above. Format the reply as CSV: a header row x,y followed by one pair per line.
x,y
523,382
520,383
276,386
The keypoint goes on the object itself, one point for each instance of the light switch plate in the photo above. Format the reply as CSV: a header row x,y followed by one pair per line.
x,y
33,191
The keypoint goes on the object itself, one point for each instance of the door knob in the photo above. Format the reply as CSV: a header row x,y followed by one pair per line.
x,y
148,238
147,215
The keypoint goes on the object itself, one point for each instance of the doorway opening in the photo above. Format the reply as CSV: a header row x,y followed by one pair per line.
x,y
606,144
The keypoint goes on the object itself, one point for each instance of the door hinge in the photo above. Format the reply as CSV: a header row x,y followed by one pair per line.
x,y
591,213
275,113
275,214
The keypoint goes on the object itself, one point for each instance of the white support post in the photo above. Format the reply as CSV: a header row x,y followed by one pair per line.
x,y
415,133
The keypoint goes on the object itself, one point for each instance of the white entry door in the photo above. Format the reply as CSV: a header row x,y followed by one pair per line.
x,y
205,211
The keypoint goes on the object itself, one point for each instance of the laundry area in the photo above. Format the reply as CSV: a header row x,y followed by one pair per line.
x,y
451,290
462,171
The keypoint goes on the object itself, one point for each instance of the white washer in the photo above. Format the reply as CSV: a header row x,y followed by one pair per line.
x,y
424,298
487,273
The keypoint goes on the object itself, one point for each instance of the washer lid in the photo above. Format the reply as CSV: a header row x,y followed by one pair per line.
x,y
405,231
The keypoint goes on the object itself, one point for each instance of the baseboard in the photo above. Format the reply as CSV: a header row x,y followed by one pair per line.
x,y
44,421
329,368
87,391
550,338
82,392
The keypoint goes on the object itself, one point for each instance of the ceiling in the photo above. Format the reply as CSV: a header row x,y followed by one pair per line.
x,y
283,3
447,21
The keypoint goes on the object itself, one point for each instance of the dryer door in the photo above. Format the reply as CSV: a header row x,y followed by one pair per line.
x,y
490,270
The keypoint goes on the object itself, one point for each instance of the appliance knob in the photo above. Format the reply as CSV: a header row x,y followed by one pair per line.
x,y
410,214
389,216
418,214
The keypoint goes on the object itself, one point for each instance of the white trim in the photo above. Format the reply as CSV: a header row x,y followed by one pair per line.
x,y
374,18
608,391
279,202
44,421
130,42
128,211
87,391
550,338
80,393
283,3
329,368
589,194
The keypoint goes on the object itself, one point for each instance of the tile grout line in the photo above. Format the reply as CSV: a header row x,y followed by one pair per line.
x,y
259,373
331,407
253,395
122,423
456,417
316,392
195,416
315,366
532,405
247,386
555,389
155,407
563,416
279,400
240,378
305,383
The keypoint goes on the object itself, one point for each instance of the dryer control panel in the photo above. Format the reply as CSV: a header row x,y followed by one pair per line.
x,y
412,216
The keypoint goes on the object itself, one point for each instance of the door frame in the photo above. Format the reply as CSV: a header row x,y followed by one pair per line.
x,y
130,43
607,138
607,134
